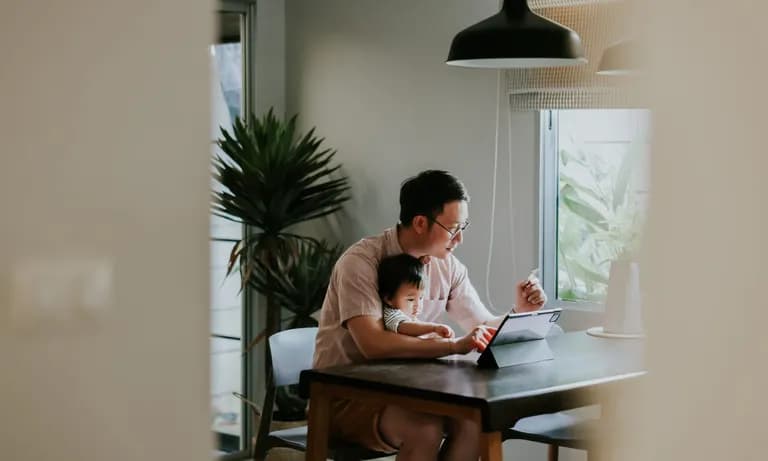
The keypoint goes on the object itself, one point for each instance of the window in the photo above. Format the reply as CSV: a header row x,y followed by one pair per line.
x,y
226,302
594,188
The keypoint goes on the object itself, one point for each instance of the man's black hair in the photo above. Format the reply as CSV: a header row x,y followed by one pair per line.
x,y
427,193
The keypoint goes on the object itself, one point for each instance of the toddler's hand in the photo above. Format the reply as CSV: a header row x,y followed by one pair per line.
x,y
445,331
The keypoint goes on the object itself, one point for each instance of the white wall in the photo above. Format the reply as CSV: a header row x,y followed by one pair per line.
x,y
269,72
105,158
370,75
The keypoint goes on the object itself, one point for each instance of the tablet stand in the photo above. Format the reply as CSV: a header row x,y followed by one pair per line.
x,y
506,355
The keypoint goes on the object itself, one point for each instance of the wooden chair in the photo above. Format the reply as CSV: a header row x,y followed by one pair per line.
x,y
290,352
576,430
556,430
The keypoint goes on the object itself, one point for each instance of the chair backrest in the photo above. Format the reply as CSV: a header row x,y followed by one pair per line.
x,y
291,351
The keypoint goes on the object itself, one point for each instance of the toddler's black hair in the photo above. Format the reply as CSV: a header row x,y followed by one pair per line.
x,y
396,270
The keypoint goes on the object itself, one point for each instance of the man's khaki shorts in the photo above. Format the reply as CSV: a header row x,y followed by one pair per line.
x,y
358,422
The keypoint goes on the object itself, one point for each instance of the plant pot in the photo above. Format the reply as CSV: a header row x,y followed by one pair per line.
x,y
623,303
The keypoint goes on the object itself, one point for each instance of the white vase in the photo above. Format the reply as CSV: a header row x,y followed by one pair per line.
x,y
623,303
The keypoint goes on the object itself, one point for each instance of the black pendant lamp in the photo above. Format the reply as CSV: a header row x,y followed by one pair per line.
x,y
516,37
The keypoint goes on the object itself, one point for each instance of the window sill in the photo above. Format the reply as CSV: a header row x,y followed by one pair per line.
x,y
579,316
578,306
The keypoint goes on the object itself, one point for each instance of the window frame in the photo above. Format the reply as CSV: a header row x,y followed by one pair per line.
x,y
250,323
548,206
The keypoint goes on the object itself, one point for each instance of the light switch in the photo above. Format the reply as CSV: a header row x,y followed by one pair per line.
x,y
60,290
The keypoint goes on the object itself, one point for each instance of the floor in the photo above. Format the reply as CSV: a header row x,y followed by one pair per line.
x,y
513,450
286,454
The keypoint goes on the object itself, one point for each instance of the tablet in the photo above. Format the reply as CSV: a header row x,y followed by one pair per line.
x,y
522,327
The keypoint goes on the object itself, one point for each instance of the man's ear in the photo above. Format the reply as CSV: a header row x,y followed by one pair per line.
x,y
420,224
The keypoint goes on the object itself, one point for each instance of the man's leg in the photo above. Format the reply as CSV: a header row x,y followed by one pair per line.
x,y
417,435
462,442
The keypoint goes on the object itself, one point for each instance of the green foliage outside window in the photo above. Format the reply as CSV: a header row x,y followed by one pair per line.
x,y
599,220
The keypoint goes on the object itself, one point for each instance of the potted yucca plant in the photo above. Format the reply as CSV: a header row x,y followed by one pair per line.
x,y
270,179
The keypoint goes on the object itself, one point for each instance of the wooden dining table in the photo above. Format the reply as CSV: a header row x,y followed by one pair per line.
x,y
583,371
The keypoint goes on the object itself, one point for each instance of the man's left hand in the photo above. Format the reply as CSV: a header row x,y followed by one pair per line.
x,y
530,296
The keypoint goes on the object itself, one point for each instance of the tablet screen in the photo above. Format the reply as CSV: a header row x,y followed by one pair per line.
x,y
522,329
525,327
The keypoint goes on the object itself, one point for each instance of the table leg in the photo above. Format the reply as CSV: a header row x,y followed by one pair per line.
x,y
490,446
609,427
317,421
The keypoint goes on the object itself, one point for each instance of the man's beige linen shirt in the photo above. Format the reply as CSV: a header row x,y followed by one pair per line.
x,y
353,291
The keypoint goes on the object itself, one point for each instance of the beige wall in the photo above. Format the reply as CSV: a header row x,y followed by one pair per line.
x,y
706,314
104,185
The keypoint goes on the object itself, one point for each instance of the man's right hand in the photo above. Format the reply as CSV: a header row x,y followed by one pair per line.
x,y
478,339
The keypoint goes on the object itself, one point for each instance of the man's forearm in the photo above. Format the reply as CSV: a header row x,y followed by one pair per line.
x,y
496,321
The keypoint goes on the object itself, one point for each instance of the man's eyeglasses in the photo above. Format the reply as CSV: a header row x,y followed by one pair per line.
x,y
458,228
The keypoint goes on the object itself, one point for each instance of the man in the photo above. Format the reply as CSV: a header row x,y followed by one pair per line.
x,y
433,216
